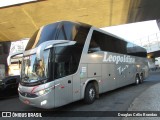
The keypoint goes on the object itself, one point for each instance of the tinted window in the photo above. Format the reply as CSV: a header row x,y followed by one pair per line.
x,y
62,66
141,52
62,34
104,42
66,60
136,50
48,32
32,41
43,34
121,46
59,31
70,30
131,50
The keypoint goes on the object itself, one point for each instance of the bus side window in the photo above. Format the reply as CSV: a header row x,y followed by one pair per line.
x,y
130,49
101,42
66,60
104,42
93,47
63,62
62,66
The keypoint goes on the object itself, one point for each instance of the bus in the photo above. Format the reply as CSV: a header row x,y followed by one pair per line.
x,y
68,61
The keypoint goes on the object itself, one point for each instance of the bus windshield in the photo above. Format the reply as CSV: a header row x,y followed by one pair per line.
x,y
33,69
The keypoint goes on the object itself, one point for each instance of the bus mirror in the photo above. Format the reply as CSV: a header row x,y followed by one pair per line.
x,y
9,60
16,56
19,63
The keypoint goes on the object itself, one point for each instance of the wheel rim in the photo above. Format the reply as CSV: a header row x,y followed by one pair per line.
x,y
91,93
137,80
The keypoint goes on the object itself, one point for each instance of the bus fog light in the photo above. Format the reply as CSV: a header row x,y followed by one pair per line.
x,y
44,102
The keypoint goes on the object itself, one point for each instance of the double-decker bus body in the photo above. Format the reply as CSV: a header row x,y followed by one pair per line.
x,y
66,61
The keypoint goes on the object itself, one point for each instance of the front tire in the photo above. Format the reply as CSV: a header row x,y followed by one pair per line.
x,y
137,80
90,94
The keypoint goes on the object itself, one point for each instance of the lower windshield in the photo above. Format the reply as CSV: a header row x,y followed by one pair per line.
x,y
33,69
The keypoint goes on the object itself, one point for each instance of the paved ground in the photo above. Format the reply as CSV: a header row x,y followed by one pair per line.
x,y
121,99
149,100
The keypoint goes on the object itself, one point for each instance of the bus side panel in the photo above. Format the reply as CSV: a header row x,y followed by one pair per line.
x,y
130,74
108,77
94,71
76,87
120,75
146,71
63,91
145,68
83,77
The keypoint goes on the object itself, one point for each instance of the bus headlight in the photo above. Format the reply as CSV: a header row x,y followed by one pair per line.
x,y
42,92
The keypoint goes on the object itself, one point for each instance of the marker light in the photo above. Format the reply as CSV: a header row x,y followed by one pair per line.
x,y
44,102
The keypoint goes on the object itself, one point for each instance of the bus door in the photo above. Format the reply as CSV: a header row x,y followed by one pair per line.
x,y
63,80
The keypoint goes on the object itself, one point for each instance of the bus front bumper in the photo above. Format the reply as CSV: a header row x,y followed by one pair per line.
x,y
45,101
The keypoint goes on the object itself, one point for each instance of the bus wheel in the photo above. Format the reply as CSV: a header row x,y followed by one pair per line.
x,y
137,80
141,78
90,94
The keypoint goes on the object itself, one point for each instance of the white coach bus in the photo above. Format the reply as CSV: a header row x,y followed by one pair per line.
x,y
67,61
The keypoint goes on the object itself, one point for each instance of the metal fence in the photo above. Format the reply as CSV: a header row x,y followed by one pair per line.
x,y
151,42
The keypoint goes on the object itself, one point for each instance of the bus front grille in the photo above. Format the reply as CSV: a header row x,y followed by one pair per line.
x,y
30,95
